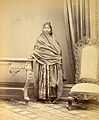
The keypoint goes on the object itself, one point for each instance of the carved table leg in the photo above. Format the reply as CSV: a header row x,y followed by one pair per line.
x,y
28,78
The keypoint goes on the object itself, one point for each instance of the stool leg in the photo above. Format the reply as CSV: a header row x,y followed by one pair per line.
x,y
70,100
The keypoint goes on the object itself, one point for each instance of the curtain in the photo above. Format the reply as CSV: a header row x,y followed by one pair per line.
x,y
81,20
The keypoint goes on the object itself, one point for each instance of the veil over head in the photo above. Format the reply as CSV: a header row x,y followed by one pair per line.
x,y
47,50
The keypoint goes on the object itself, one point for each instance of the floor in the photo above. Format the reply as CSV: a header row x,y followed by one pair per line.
x,y
19,110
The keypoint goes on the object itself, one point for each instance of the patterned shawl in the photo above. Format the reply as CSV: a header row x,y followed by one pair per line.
x,y
47,50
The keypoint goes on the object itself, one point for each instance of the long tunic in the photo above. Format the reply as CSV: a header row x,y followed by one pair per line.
x,y
47,67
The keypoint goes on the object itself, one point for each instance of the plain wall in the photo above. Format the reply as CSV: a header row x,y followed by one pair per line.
x,y
21,22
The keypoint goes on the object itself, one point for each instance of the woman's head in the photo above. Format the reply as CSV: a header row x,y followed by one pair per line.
x,y
47,28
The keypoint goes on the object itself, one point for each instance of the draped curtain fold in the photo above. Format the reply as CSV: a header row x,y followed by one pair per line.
x,y
81,20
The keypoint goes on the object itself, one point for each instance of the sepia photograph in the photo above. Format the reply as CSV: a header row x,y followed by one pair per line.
x,y
49,60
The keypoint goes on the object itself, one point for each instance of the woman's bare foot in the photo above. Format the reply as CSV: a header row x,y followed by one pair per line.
x,y
55,101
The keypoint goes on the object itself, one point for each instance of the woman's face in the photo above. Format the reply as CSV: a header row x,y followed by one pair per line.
x,y
47,29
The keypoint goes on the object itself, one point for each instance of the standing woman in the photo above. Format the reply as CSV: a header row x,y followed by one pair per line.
x,y
47,66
